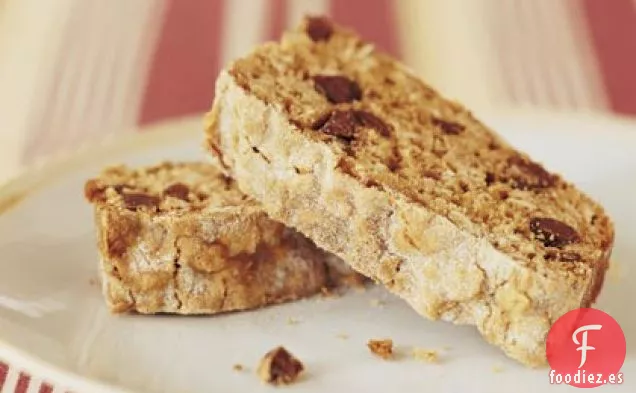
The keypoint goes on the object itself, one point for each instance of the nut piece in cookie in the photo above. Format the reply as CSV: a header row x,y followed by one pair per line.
x,y
383,348
279,367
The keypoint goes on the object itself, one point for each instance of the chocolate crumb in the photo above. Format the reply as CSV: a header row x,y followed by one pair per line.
x,y
532,176
382,348
553,233
319,28
279,367
490,178
338,89
136,200
448,127
320,121
370,120
177,190
341,124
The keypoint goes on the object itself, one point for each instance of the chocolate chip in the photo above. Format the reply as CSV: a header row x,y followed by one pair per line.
x,y
370,120
553,233
136,200
341,124
490,178
177,190
320,121
278,366
319,28
448,127
532,175
337,89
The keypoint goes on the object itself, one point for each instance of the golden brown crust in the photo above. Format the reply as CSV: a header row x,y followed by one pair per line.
x,y
200,248
420,195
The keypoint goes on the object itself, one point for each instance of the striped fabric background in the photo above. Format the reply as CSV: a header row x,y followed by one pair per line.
x,y
76,71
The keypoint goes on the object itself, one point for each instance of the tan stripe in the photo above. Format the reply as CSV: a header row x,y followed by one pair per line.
x,y
30,35
144,26
455,57
244,26
297,9
530,51
107,54
588,81
552,27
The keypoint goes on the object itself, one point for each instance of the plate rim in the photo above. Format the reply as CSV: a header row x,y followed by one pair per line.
x,y
18,187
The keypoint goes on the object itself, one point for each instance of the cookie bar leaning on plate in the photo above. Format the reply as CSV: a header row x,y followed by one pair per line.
x,y
181,238
348,146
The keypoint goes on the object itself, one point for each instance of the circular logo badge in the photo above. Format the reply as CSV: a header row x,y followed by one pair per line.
x,y
586,348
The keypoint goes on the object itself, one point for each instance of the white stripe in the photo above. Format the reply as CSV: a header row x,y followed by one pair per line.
x,y
30,35
54,121
59,389
589,73
77,111
243,27
34,385
152,15
103,77
11,381
116,58
514,62
536,57
297,9
552,27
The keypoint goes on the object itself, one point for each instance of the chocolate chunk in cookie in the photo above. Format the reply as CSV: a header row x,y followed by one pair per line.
x,y
338,89
553,233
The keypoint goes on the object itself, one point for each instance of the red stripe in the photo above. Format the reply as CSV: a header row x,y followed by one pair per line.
x,y
46,388
4,369
374,20
613,30
186,61
277,19
23,383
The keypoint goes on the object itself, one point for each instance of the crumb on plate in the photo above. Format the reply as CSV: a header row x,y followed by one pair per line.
x,y
238,367
425,355
383,348
497,369
343,336
279,367
328,293
377,303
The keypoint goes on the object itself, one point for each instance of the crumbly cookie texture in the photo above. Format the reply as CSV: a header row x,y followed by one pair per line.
x,y
181,238
348,146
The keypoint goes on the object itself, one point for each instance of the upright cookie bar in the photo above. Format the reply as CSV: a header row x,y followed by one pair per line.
x,y
348,146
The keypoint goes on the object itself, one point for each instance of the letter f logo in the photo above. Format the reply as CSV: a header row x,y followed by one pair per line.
x,y
583,344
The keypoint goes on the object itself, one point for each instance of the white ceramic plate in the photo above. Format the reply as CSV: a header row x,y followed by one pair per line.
x,y
53,322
